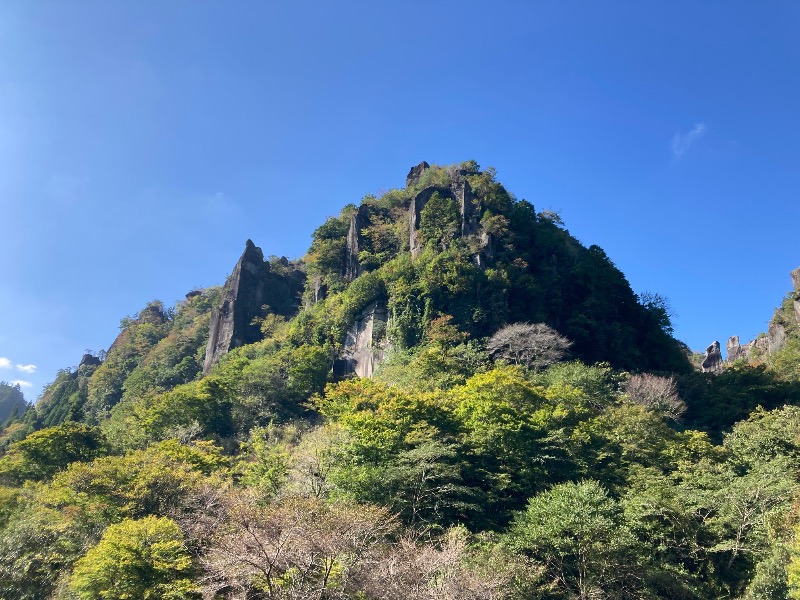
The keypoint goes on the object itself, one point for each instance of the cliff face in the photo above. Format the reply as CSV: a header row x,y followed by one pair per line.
x,y
460,191
254,283
366,343
358,221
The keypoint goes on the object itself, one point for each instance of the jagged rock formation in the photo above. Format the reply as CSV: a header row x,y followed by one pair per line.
x,y
415,173
254,283
366,343
758,346
712,361
776,336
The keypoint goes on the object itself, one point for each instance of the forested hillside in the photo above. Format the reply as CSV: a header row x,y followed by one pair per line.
x,y
448,397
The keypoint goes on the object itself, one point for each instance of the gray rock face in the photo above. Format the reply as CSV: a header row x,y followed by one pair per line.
x,y
366,343
795,275
415,173
358,221
253,284
734,349
320,289
467,205
712,362
752,349
776,337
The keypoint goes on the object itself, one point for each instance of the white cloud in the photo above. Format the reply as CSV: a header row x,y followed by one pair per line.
x,y
22,383
681,142
29,369
4,363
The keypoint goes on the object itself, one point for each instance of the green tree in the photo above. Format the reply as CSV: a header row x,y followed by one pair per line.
x,y
144,559
438,220
577,531
43,453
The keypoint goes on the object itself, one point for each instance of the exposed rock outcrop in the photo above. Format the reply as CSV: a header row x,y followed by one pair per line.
x,y
417,204
776,337
415,173
712,362
152,313
756,347
460,191
358,221
254,283
89,360
320,290
777,334
795,275
366,343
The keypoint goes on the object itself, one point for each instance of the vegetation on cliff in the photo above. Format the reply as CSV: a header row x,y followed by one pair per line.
x,y
533,430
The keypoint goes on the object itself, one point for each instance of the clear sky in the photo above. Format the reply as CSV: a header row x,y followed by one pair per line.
x,y
142,142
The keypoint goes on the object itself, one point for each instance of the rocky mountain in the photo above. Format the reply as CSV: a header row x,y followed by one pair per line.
x,y
448,397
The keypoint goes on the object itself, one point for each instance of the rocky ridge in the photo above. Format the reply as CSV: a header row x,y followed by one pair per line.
x,y
785,320
253,285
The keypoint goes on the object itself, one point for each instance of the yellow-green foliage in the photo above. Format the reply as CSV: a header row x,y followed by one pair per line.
x,y
143,559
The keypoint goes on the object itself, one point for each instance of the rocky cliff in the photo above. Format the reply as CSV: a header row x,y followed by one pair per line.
x,y
459,190
712,361
254,284
784,322
366,343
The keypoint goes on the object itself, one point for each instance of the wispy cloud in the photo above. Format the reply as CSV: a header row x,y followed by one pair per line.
x,y
29,369
4,363
22,383
681,142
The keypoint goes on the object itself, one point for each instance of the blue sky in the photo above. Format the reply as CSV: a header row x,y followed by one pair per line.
x,y
142,143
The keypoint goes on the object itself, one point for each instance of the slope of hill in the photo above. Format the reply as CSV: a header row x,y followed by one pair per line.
x,y
449,397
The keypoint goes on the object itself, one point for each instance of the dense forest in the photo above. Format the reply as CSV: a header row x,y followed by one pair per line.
x,y
448,397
